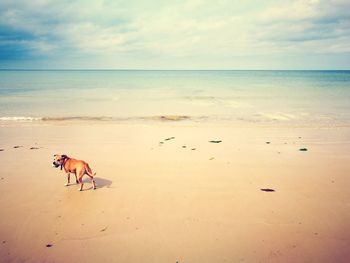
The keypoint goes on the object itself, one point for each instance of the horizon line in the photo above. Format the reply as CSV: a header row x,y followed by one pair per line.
x,y
135,69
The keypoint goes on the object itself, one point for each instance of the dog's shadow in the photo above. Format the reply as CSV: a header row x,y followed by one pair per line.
x,y
100,182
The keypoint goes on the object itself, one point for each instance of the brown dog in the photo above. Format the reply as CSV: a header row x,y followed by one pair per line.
x,y
78,167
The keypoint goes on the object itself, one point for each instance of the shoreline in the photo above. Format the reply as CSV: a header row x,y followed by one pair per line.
x,y
185,120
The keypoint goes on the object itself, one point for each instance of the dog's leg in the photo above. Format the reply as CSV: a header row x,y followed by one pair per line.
x,y
80,178
93,183
89,173
92,180
76,179
68,179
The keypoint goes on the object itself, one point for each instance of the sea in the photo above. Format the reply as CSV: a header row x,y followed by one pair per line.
x,y
229,96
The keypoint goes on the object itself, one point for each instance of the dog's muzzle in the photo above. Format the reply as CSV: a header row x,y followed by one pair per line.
x,y
56,165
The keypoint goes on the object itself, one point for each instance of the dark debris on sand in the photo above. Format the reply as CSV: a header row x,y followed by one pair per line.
x,y
49,245
17,146
267,190
303,149
104,229
1,150
34,148
170,138
215,141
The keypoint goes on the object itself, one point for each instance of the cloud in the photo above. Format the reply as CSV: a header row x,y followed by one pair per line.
x,y
307,26
194,33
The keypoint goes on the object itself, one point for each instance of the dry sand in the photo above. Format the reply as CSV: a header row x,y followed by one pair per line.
x,y
162,202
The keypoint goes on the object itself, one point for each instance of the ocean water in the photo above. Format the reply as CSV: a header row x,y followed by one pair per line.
x,y
298,97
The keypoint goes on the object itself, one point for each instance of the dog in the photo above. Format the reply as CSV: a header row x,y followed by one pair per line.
x,y
78,167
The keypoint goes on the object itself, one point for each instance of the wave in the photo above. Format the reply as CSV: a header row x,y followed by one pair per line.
x,y
20,118
96,118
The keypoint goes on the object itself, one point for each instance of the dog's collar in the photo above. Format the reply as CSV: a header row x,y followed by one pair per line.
x,y
64,161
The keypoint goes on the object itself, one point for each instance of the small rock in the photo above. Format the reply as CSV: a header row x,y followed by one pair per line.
x,y
33,148
268,142
193,149
184,146
104,229
49,245
17,146
170,138
303,149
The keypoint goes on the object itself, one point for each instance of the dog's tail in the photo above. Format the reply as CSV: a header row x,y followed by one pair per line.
x,y
89,171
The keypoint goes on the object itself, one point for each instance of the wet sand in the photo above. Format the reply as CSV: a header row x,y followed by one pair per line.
x,y
158,201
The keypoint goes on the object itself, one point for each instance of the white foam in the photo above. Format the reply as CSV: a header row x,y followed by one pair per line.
x,y
19,118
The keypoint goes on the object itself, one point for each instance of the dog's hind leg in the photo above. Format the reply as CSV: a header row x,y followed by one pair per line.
x,y
80,174
68,179
76,178
92,180
89,173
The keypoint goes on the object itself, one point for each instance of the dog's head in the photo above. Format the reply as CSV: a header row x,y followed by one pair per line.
x,y
58,160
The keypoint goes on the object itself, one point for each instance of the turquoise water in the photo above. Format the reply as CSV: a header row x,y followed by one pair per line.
x,y
253,96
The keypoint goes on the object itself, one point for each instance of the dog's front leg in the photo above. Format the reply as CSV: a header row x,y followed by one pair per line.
x,y
68,179
76,178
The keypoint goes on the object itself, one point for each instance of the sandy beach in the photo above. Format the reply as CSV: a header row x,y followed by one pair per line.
x,y
216,131
167,194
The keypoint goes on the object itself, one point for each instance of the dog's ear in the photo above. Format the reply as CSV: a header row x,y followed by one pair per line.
x,y
64,156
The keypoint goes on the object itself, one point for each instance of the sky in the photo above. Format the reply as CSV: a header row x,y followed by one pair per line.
x,y
177,34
